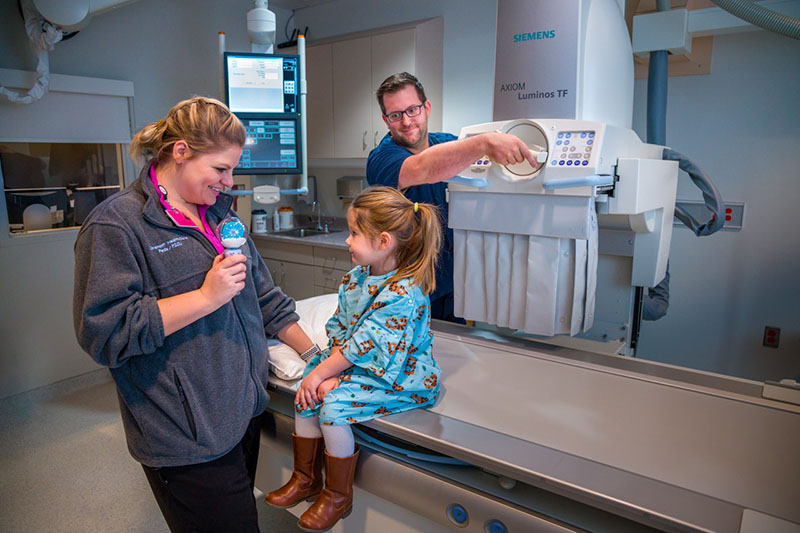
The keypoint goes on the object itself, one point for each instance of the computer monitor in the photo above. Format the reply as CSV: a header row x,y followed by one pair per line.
x,y
263,90
272,147
262,84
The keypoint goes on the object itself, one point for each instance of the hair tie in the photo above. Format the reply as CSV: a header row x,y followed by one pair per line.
x,y
416,207
160,123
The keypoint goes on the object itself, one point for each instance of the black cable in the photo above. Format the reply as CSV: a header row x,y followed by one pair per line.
x,y
286,28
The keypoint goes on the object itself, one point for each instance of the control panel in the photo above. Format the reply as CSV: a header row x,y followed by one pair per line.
x,y
572,148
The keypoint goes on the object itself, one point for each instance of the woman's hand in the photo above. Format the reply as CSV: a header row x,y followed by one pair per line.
x,y
307,395
326,386
225,279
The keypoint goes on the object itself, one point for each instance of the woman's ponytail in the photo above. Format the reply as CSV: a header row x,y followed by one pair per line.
x,y
146,144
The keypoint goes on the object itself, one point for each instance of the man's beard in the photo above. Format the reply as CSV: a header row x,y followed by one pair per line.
x,y
423,137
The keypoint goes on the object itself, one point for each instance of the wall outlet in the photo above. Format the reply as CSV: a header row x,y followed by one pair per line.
x,y
772,336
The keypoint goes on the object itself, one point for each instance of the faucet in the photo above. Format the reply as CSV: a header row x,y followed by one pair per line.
x,y
316,207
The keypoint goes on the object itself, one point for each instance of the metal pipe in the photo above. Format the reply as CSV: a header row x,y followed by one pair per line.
x,y
301,50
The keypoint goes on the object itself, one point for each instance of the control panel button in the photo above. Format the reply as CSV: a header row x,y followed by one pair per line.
x,y
457,514
495,526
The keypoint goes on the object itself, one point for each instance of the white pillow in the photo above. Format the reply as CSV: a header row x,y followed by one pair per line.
x,y
314,314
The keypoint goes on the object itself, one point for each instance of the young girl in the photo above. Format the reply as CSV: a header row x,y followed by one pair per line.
x,y
379,358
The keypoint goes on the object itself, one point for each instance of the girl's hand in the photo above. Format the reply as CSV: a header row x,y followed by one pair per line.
x,y
326,386
306,395
225,279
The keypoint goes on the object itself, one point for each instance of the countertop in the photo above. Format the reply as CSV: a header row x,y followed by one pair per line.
x,y
334,239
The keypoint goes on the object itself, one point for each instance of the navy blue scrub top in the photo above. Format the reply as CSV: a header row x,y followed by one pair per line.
x,y
383,168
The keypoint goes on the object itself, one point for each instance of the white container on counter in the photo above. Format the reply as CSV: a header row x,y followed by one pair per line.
x,y
287,217
259,217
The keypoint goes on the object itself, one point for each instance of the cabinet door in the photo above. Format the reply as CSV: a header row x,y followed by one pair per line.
x,y
294,279
275,270
391,53
298,280
328,280
319,101
352,98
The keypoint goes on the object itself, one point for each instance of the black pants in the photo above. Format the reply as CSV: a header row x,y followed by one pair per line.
x,y
213,496
442,308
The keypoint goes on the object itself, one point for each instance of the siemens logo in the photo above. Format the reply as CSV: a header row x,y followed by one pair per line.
x,y
549,34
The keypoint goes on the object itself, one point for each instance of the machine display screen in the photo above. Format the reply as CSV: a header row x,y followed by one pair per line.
x,y
262,83
272,147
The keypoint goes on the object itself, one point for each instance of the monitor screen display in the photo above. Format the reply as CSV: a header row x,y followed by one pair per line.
x,y
272,147
262,83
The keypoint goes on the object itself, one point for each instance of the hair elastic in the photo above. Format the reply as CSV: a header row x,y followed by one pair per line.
x,y
416,207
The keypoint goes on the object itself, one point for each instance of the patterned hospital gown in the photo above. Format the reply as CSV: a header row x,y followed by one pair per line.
x,y
384,330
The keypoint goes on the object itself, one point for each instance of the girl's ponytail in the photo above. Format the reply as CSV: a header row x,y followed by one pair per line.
x,y
420,253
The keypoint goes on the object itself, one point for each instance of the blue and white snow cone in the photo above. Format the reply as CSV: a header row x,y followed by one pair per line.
x,y
232,233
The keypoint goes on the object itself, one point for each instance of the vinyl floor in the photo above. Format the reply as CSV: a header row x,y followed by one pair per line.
x,y
65,467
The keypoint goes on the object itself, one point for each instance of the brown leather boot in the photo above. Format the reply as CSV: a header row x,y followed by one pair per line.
x,y
306,480
336,500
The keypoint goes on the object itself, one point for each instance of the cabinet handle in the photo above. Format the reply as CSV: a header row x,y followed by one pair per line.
x,y
364,142
375,140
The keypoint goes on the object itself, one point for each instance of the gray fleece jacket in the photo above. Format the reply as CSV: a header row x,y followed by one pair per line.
x,y
186,398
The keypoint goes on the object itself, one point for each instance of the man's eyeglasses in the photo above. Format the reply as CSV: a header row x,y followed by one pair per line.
x,y
413,111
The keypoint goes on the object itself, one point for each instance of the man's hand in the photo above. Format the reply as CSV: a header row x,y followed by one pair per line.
x,y
507,149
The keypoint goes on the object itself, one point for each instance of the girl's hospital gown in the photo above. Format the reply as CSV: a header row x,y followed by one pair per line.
x,y
384,330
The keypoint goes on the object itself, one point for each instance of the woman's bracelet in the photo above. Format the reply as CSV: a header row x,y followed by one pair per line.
x,y
311,352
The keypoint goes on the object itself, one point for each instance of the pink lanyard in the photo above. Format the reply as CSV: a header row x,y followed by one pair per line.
x,y
182,220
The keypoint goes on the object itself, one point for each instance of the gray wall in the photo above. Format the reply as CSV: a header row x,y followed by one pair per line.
x,y
741,124
168,49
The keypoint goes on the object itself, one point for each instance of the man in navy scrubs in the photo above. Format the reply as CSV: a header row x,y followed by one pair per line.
x,y
416,162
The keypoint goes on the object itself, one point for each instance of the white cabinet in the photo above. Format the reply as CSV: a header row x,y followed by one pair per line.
x,y
319,100
292,278
303,270
330,266
352,112
391,53
344,119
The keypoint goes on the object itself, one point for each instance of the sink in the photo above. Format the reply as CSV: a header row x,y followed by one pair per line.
x,y
302,232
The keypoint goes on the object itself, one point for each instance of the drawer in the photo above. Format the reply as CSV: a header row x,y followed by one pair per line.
x,y
330,259
328,279
286,251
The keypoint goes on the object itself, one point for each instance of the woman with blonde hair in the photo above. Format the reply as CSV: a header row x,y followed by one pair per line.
x,y
182,327
379,359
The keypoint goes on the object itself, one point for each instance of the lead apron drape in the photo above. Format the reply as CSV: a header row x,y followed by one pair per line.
x,y
525,261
